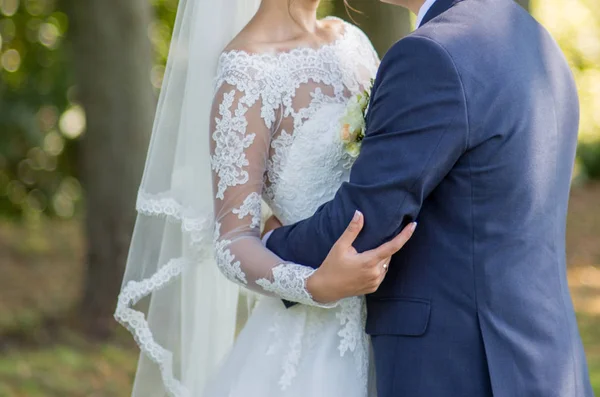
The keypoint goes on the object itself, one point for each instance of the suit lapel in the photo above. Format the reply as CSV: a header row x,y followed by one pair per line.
x,y
438,8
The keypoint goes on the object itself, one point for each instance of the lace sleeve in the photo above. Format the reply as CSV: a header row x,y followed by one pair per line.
x,y
242,124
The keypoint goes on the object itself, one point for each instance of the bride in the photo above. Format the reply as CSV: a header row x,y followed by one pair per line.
x,y
270,104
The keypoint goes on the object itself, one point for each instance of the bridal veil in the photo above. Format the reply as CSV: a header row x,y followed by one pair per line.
x,y
178,306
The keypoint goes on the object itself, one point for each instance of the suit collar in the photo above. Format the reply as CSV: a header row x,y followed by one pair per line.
x,y
438,8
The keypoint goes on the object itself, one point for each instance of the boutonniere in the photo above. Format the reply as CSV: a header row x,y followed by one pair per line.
x,y
353,122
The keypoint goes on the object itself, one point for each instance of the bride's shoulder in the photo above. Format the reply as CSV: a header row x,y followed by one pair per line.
x,y
254,39
243,56
247,55
357,40
247,43
334,27
355,32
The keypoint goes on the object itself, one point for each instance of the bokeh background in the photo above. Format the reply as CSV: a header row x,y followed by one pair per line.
x,y
79,82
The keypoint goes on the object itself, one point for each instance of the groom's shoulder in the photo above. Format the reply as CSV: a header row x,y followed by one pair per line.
x,y
468,33
440,36
417,48
447,35
417,60
475,26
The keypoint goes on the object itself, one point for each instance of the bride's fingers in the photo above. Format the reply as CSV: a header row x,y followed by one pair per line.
x,y
384,266
381,270
352,231
391,247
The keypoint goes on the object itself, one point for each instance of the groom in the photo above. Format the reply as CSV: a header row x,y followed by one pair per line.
x,y
472,128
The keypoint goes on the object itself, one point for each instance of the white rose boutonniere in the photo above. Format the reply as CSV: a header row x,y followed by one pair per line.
x,y
353,122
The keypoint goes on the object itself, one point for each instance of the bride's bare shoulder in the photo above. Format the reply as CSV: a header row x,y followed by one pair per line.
x,y
258,38
254,38
246,42
334,27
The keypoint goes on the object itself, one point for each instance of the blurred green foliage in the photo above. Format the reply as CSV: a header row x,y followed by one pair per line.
x,y
589,157
36,159
40,120
575,24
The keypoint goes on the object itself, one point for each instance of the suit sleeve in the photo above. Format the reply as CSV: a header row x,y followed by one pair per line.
x,y
417,129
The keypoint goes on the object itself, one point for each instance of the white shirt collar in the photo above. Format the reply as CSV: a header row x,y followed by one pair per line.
x,y
423,11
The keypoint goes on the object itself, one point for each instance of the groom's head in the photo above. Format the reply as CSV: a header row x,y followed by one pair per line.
x,y
413,5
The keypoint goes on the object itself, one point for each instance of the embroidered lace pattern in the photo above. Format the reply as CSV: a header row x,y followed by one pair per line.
x,y
251,206
276,137
289,282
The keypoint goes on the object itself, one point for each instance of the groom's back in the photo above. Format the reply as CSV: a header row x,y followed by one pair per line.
x,y
490,251
523,115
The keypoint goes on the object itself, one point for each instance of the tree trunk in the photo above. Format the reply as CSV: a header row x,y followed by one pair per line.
x,y
112,56
383,23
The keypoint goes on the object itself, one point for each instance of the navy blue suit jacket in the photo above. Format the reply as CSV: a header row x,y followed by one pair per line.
x,y
472,130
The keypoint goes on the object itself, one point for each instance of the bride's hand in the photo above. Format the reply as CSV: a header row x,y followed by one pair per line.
x,y
346,273
271,224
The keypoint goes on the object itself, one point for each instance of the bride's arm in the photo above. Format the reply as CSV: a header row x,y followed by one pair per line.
x,y
240,142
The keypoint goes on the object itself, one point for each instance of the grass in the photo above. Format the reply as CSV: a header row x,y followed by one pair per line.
x,y
42,273
41,279
67,369
589,327
585,289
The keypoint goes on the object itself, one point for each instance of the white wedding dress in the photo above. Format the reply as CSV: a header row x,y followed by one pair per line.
x,y
276,137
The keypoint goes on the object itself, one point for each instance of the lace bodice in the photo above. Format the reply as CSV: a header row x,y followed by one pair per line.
x,y
275,136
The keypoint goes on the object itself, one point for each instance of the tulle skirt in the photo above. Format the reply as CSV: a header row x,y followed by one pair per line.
x,y
298,352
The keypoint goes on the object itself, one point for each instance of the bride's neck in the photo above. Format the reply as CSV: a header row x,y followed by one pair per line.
x,y
285,16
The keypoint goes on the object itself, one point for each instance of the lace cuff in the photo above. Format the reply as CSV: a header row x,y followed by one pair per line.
x,y
289,283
